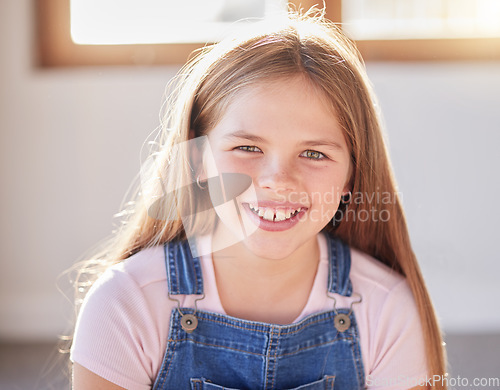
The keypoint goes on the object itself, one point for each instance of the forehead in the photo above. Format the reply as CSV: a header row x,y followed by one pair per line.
x,y
286,86
292,102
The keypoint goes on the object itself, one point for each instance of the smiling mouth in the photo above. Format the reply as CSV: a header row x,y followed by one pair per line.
x,y
275,214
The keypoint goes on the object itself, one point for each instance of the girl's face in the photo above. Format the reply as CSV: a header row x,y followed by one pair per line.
x,y
285,137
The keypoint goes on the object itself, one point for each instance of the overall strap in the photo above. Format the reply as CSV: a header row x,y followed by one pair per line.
x,y
339,255
184,273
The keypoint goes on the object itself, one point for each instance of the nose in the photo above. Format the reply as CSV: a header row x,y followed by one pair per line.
x,y
278,174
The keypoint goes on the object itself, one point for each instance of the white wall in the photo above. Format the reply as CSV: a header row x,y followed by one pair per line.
x,y
443,122
70,143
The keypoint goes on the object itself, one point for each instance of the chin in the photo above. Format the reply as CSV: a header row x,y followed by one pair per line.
x,y
269,248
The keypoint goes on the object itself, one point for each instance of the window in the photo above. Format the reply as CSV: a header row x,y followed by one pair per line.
x,y
164,21
417,19
424,29
385,30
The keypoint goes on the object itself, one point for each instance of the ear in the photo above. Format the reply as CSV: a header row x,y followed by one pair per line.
x,y
347,193
348,184
196,157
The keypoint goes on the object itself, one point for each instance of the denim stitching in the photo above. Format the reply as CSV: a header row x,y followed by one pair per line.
x,y
216,346
174,259
357,354
317,345
330,381
302,327
171,358
166,253
276,358
164,371
193,268
267,357
338,259
197,384
331,283
260,354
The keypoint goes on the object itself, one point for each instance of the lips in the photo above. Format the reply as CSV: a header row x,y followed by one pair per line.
x,y
274,216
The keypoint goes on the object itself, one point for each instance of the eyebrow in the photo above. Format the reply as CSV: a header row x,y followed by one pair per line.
x,y
322,142
245,135
255,138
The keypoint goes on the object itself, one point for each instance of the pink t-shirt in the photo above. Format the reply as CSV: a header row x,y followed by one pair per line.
x,y
122,329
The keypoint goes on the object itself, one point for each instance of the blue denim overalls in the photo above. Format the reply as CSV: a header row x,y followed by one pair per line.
x,y
222,352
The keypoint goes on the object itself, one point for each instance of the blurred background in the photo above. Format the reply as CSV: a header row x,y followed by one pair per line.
x,y
72,127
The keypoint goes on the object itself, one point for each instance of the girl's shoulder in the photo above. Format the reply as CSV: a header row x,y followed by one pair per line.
x,y
126,288
145,267
390,342
120,317
384,292
366,272
139,271
369,271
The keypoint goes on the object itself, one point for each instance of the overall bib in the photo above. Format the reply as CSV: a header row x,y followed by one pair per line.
x,y
224,352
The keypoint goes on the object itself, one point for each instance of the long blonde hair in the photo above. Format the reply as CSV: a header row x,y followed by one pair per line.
x,y
304,45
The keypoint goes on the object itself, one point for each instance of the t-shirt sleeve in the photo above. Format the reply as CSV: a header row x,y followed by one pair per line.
x,y
114,329
399,360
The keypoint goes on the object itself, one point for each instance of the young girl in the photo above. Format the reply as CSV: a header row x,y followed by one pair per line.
x,y
268,248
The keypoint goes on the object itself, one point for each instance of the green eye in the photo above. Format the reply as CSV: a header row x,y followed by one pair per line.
x,y
313,155
248,148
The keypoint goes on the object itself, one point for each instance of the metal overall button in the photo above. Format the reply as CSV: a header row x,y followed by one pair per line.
x,y
342,321
189,322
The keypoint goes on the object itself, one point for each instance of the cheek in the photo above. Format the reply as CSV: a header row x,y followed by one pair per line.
x,y
223,163
211,168
227,163
326,189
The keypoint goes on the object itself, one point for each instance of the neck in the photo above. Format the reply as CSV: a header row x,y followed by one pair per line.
x,y
273,290
244,261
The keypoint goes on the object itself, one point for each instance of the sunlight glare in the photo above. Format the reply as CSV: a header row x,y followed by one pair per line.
x,y
160,21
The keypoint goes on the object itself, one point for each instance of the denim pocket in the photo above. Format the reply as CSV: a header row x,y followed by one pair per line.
x,y
204,384
323,384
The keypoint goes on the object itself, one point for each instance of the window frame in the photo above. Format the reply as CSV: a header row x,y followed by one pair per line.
x,y
56,49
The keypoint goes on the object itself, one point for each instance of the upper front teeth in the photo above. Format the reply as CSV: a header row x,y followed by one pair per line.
x,y
268,214
271,214
280,215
